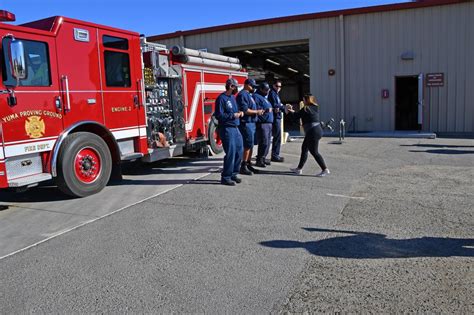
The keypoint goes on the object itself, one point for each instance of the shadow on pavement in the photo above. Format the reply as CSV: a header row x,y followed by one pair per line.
x,y
437,145
441,148
265,172
36,194
50,193
153,182
262,172
205,182
169,168
164,171
445,151
149,182
361,245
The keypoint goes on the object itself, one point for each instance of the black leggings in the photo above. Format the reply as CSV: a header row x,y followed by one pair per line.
x,y
311,143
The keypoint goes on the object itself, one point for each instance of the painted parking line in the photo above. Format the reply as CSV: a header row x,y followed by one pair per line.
x,y
344,196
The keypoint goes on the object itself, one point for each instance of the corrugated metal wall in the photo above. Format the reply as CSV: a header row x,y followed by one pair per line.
x,y
441,37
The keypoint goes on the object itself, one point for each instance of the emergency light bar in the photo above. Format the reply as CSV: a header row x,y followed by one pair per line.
x,y
6,16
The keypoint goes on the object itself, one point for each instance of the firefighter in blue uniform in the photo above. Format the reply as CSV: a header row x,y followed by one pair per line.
x,y
264,122
247,127
278,109
228,115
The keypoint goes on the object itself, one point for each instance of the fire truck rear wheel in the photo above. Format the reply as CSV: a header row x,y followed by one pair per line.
x,y
215,141
84,165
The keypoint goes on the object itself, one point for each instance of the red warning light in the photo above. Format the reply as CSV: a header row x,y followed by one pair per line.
x,y
6,16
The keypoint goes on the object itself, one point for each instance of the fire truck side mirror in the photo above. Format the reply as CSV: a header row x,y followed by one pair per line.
x,y
17,59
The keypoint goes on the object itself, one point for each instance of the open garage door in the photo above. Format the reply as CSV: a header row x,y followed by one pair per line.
x,y
288,62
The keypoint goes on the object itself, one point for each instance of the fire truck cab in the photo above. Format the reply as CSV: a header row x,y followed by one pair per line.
x,y
77,99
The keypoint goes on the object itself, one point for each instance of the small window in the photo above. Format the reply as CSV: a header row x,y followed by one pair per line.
x,y
115,42
117,69
37,64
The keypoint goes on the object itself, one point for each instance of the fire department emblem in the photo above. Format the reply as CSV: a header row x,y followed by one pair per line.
x,y
34,127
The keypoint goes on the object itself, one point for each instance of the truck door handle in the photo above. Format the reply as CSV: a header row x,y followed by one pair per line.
x,y
135,100
57,102
67,105
139,99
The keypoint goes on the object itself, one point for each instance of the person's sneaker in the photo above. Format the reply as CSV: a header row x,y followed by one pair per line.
x,y
227,182
323,173
244,170
236,179
297,171
278,159
267,162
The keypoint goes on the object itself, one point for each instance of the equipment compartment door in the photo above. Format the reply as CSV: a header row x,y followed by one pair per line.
x,y
194,88
215,85
33,124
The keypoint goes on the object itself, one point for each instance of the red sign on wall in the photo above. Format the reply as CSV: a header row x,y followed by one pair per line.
x,y
434,79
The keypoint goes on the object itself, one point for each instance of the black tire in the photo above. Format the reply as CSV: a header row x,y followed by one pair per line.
x,y
78,176
214,141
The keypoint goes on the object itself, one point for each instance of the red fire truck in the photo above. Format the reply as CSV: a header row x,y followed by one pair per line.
x,y
80,98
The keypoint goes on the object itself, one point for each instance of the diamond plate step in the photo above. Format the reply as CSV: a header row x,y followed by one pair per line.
x,y
28,180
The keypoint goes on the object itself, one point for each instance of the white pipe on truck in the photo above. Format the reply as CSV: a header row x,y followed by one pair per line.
x,y
180,50
209,62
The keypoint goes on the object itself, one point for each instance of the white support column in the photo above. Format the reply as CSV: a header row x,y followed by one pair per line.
x,y
420,99
342,72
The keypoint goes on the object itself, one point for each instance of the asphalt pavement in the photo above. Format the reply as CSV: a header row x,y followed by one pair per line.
x,y
390,230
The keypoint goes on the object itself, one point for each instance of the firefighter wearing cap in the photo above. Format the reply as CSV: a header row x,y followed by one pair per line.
x,y
247,105
278,109
264,123
227,114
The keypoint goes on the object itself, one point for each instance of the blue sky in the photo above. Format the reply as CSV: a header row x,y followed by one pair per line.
x,y
157,17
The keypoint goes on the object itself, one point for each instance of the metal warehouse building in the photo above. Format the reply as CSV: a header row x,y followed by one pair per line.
x,y
406,66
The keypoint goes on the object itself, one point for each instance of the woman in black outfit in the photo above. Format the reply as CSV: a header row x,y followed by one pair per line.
x,y
309,115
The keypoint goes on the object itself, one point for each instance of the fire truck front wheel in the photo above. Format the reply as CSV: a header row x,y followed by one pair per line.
x,y
84,165
215,141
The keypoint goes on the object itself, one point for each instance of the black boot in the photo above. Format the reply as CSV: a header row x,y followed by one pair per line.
x,y
227,182
279,159
261,162
251,168
244,170
236,179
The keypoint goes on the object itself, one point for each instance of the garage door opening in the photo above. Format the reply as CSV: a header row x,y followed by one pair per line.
x,y
286,62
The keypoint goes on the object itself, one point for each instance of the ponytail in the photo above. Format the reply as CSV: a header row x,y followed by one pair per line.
x,y
310,100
